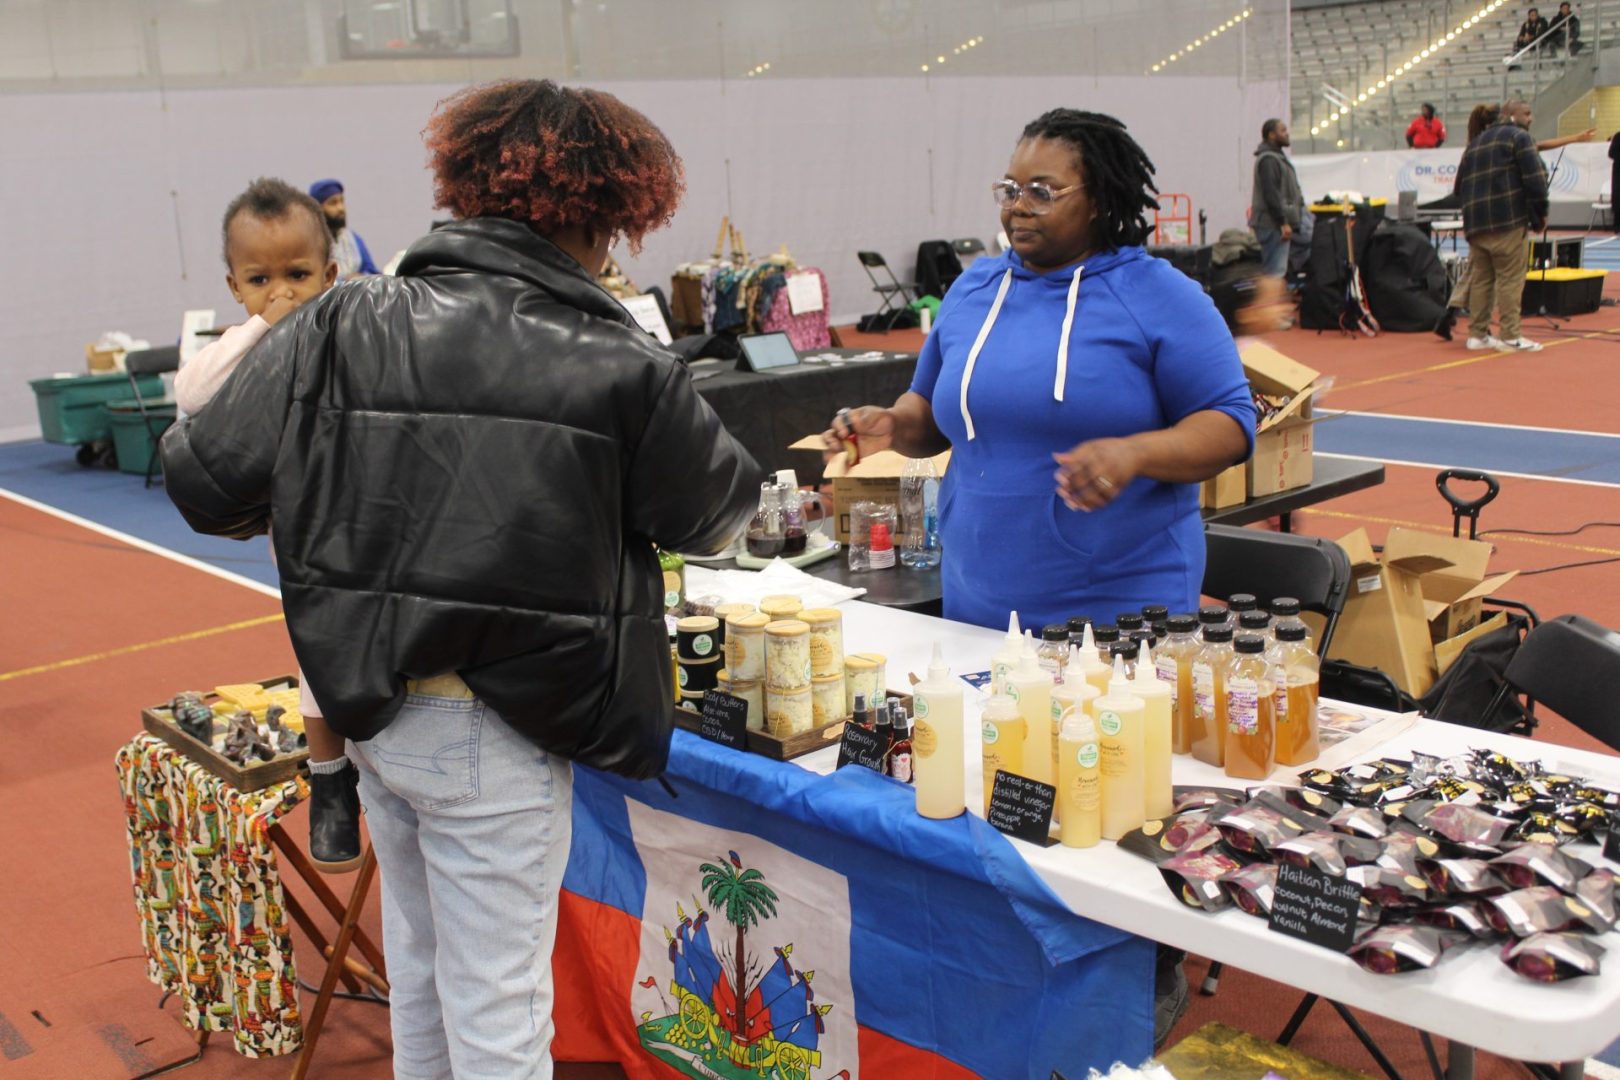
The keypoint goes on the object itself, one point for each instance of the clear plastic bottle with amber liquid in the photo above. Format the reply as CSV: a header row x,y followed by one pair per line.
x,y
1173,663
1209,672
1251,735
1297,675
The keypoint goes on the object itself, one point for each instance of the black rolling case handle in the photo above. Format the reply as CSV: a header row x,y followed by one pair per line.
x,y
1466,508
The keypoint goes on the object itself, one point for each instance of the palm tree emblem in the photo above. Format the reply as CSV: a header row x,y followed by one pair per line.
x,y
743,898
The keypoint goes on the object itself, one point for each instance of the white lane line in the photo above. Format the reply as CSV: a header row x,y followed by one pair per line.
x,y
1468,423
1461,465
144,545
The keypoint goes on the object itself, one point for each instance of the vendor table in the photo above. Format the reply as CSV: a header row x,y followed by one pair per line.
x,y
1470,997
919,591
769,411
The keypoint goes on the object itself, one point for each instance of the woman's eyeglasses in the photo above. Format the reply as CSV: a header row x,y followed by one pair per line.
x,y
1038,197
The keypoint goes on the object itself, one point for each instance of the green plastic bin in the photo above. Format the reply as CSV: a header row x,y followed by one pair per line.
x,y
71,409
132,441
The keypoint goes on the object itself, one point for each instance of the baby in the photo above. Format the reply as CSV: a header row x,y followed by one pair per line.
x,y
278,254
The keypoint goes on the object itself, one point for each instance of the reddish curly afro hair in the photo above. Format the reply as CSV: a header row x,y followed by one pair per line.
x,y
552,157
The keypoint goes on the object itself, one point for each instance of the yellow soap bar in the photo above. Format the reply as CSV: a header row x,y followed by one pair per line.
x,y
244,695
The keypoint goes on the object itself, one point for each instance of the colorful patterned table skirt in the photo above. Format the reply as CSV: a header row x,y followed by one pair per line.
x,y
212,911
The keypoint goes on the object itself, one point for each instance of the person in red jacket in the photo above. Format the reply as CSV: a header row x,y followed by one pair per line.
x,y
1426,131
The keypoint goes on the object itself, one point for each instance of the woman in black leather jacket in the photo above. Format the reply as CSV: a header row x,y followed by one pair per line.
x,y
467,465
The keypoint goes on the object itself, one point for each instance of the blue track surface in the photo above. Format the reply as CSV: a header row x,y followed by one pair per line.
x,y
1556,455
48,473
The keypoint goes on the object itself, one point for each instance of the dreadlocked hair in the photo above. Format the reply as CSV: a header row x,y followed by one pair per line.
x,y
552,156
1114,168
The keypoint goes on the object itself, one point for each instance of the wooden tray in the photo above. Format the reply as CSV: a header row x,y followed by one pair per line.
x,y
768,745
261,774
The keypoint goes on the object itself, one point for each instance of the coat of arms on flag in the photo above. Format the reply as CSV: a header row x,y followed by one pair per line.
x,y
744,967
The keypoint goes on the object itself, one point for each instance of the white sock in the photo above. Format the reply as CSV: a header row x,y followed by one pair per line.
x,y
327,768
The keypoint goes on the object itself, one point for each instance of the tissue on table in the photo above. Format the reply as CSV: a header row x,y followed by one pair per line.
x,y
748,586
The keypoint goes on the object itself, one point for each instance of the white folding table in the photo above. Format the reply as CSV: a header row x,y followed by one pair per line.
x,y
1470,996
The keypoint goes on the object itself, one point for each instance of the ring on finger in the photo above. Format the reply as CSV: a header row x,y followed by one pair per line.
x,y
1103,482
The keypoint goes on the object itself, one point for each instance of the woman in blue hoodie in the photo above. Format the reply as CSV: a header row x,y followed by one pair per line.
x,y
1084,389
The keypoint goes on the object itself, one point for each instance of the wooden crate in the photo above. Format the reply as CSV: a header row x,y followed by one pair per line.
x,y
159,722
768,745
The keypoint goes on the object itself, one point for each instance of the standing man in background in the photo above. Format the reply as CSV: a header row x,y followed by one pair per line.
x,y
1426,131
1614,179
347,247
1278,205
1503,189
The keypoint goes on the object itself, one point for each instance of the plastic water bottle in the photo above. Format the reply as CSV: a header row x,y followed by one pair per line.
x,y
919,515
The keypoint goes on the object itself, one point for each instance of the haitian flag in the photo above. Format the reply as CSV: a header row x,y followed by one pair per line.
x,y
770,922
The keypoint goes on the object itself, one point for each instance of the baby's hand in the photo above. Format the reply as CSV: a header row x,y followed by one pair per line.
x,y
279,309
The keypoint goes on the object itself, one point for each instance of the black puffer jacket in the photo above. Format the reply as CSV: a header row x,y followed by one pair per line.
x,y
467,465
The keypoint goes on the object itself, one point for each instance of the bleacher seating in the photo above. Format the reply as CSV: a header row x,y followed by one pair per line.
x,y
1351,46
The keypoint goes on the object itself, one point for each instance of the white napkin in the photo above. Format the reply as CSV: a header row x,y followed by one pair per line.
x,y
747,586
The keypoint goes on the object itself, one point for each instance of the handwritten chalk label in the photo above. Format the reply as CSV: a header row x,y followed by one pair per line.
x,y
725,719
862,746
1611,847
1022,807
1315,906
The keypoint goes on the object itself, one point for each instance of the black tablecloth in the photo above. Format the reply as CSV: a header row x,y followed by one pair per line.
x,y
768,412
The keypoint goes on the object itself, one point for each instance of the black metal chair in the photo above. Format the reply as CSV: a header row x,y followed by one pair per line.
x,y
1314,571
887,291
151,362
1571,665
968,248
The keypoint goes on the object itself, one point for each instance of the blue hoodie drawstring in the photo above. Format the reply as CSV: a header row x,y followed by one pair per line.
x,y
1063,342
990,322
978,344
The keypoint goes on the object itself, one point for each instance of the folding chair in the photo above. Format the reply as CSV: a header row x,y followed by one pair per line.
x,y
151,362
968,248
872,261
1571,665
1603,207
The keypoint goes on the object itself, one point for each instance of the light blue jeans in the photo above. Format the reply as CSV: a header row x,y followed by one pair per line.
x,y
471,825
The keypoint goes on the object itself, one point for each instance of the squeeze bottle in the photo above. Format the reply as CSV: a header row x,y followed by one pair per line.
x,y
1030,685
1092,668
1001,731
1006,657
938,752
1079,799
1120,720
1156,695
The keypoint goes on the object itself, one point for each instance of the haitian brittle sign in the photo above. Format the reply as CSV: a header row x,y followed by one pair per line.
x,y
744,967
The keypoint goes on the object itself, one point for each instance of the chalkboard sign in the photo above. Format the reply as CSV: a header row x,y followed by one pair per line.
x,y
1315,906
863,746
725,719
1022,807
1611,847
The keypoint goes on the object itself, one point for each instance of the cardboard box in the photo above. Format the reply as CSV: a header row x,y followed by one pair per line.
x,y
1282,446
1452,595
1230,488
1385,624
872,479
102,361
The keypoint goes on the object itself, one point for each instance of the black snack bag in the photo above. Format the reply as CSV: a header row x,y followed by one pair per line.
x,y
1463,877
1500,767
1465,915
1596,891
1262,822
1540,864
1544,827
1307,799
1187,798
1586,818
1389,950
1466,825
1332,853
1162,839
1252,888
1389,887
1195,877
1541,909
1403,847
1360,821
1553,957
